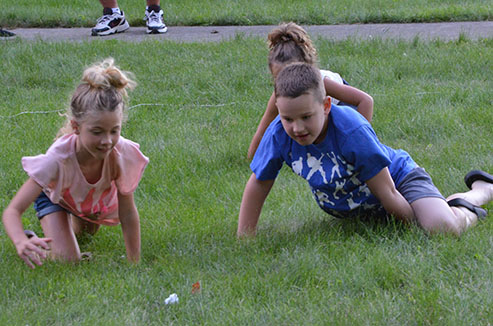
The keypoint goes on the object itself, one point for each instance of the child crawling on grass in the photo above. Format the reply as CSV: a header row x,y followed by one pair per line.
x,y
290,43
86,178
349,171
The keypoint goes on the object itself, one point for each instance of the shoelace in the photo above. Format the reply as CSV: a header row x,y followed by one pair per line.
x,y
105,18
154,17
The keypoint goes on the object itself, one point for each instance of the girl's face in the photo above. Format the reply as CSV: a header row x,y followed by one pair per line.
x,y
98,134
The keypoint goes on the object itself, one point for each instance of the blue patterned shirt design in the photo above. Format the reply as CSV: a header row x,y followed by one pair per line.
x,y
337,168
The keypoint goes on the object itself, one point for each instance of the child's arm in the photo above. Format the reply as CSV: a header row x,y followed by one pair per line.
x,y
351,95
383,187
254,196
29,250
269,115
129,217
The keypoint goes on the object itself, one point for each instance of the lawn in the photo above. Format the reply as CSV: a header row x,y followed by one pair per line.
x,y
51,13
193,113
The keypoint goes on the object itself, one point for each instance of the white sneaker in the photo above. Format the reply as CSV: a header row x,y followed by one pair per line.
x,y
110,23
155,23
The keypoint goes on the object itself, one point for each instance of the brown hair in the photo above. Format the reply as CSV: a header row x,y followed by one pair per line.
x,y
297,79
288,43
103,88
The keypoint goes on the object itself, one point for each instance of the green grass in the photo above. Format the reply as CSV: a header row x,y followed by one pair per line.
x,y
59,13
304,267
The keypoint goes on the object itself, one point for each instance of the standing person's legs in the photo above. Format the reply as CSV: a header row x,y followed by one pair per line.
x,y
109,3
154,18
153,2
112,21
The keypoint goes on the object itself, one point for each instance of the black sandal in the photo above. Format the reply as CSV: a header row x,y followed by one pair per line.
x,y
476,175
29,234
479,211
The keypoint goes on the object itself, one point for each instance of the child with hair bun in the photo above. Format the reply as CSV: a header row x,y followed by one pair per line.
x,y
289,43
86,178
349,171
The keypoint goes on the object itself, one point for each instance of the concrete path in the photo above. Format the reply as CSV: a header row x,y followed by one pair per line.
x,y
442,31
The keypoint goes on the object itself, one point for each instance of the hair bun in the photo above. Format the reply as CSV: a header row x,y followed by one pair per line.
x,y
115,77
286,37
289,42
287,32
105,75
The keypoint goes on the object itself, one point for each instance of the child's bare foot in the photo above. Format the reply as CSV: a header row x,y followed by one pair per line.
x,y
481,184
474,176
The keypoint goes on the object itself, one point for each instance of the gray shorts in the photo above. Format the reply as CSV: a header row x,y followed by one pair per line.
x,y
418,184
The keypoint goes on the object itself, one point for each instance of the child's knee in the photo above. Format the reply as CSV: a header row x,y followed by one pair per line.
x,y
68,255
441,223
435,216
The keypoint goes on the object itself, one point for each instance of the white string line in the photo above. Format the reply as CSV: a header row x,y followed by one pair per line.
x,y
28,112
418,93
145,104
130,108
215,105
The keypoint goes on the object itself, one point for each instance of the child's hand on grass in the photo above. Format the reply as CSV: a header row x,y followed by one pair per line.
x,y
33,251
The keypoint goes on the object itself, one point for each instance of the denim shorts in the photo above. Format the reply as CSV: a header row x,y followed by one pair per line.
x,y
44,206
418,184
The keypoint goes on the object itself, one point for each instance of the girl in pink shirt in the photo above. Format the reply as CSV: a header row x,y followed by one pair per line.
x,y
86,178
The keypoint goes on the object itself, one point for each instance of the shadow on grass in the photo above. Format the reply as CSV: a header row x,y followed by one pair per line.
x,y
326,226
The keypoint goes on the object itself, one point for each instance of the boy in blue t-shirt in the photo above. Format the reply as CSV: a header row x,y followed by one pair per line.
x,y
349,171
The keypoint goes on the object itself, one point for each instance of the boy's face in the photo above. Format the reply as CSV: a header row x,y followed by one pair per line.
x,y
304,118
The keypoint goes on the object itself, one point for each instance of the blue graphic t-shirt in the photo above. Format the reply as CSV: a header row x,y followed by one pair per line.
x,y
337,168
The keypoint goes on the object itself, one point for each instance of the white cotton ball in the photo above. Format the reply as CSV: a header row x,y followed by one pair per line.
x,y
173,298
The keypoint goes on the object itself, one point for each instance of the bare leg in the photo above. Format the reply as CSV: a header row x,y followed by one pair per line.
x,y
80,226
481,193
109,3
150,2
435,215
64,245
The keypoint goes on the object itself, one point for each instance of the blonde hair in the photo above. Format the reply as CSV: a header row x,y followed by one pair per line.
x,y
297,79
288,43
103,88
